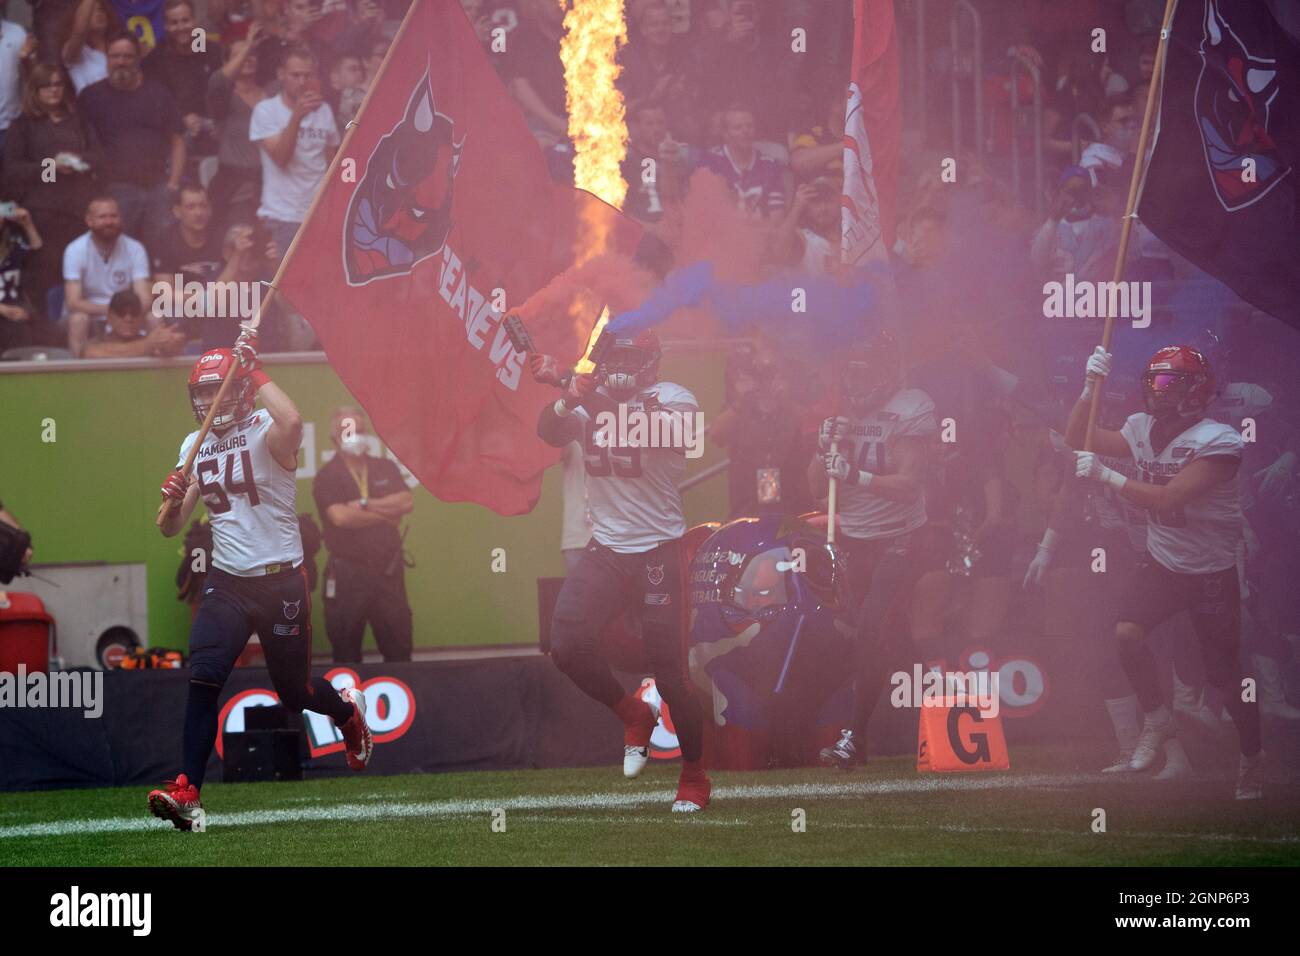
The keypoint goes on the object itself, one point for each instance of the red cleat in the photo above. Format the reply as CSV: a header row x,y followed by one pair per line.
x,y
177,802
356,734
693,790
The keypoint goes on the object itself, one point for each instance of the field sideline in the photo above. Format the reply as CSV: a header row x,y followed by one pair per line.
x,y
1038,814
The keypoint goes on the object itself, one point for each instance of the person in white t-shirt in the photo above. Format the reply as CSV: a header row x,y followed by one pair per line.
x,y
85,49
97,264
14,48
296,137
1186,478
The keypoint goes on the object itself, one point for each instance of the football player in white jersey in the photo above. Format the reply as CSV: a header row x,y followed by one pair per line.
x,y
1187,465
245,474
878,463
633,561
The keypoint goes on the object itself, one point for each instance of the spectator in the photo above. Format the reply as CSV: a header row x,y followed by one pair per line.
x,y
347,88
1075,238
373,60
232,20
126,333
656,165
1118,147
809,238
532,70
820,150
296,135
144,18
361,500
285,28
85,44
1079,88
18,237
233,92
15,48
140,127
742,61
184,72
657,66
249,255
191,248
50,128
758,182
98,263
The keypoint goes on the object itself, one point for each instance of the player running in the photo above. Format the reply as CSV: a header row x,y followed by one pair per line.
x,y
633,562
1187,464
878,463
245,473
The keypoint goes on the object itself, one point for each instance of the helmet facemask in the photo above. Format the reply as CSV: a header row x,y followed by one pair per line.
x,y
1166,395
627,369
868,384
229,413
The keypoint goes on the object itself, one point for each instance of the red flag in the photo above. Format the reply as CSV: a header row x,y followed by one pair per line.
x,y
872,132
448,220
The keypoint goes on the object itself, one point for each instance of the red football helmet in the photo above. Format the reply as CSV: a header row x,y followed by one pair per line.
x,y
631,364
1177,381
206,378
871,373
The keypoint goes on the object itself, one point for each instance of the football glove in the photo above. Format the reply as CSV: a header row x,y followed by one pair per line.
x,y
832,429
1096,368
1087,464
175,485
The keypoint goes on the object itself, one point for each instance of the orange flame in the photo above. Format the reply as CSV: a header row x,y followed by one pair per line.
x,y
594,30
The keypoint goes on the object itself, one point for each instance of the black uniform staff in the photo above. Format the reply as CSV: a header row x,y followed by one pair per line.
x,y
365,574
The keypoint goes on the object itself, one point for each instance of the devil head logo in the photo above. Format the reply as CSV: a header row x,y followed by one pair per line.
x,y
1234,96
400,213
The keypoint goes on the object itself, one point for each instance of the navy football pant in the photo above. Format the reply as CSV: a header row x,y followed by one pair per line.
x,y
605,584
278,607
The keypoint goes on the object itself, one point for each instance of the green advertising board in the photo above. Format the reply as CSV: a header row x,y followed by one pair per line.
x,y
84,447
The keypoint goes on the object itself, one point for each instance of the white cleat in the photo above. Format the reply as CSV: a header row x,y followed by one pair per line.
x,y
1154,735
1176,764
1121,765
636,743
1250,777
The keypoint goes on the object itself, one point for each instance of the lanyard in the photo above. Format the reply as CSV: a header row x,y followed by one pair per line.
x,y
361,478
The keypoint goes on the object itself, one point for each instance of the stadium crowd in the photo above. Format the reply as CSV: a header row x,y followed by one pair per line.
x,y
131,156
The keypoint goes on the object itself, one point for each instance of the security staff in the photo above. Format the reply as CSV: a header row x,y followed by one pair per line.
x,y
361,500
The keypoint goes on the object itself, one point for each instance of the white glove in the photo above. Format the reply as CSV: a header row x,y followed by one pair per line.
x,y
838,467
832,429
1097,367
1042,561
1087,464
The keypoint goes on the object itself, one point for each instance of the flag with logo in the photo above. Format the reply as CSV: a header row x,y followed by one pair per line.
x,y
437,220
1220,188
872,132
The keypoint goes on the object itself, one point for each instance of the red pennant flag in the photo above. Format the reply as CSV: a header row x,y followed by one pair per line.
x,y
873,129
437,219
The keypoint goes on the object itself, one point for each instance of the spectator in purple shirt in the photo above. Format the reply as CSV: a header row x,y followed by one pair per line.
x,y
759,183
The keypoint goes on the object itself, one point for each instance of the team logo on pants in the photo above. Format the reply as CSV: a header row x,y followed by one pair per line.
x,y
655,573
291,609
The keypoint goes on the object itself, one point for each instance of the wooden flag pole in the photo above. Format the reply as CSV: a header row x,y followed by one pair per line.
x,y
168,503
1157,77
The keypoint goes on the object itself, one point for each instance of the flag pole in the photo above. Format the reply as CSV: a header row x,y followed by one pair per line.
x,y
1126,227
339,154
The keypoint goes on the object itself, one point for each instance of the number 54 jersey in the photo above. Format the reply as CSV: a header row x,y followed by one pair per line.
x,y
250,498
1200,537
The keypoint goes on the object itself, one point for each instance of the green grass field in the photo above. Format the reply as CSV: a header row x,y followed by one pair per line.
x,y
1040,813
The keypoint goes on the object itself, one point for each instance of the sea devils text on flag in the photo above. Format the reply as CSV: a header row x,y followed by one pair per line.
x,y
439,219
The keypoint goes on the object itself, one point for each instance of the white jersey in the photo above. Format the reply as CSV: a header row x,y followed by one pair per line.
x,y
632,494
1117,513
1202,536
868,447
250,498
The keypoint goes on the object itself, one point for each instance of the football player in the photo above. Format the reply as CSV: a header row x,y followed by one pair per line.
x,y
245,474
1187,481
633,561
878,463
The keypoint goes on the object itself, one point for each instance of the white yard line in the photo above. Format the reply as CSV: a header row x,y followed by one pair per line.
x,y
377,808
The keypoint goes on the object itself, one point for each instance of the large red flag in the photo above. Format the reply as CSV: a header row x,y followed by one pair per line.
x,y
406,268
873,127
